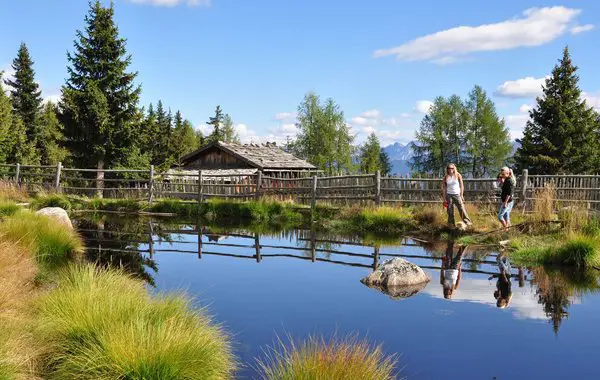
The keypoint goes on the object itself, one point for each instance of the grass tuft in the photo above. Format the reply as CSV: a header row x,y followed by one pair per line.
x,y
336,359
102,324
8,208
51,243
51,200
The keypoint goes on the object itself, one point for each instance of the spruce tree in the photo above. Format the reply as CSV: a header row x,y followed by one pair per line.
x,y
384,163
99,103
561,134
25,94
216,122
14,147
370,155
431,149
184,139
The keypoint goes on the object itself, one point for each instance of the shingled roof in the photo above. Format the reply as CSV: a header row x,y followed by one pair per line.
x,y
264,156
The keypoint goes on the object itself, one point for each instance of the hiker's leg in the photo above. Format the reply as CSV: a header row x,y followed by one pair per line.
x,y
462,209
450,209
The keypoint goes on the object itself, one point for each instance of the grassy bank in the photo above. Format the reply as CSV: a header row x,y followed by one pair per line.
x,y
63,319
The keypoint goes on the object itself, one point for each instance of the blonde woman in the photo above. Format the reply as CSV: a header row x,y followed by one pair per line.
x,y
453,192
506,197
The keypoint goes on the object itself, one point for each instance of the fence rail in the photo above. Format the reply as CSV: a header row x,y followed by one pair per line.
x,y
335,190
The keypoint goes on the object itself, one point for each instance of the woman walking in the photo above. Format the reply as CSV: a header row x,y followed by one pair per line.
x,y
453,191
506,197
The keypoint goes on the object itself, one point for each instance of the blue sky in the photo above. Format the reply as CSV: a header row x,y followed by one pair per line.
x,y
381,61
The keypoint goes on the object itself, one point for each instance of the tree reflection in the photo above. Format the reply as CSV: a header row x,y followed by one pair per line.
x,y
556,290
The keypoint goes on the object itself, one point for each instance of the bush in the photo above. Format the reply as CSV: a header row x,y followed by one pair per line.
x,y
50,242
315,358
102,324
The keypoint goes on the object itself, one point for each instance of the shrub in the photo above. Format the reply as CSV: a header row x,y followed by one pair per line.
x,y
102,324
50,242
543,203
336,359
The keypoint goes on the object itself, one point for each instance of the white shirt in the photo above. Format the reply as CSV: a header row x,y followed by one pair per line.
x,y
452,185
450,278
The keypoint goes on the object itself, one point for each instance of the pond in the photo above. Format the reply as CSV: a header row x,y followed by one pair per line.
x,y
298,283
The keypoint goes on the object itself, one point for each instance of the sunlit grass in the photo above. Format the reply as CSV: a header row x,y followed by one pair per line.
x,y
102,324
334,359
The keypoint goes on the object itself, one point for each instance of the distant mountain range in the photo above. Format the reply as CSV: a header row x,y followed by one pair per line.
x,y
400,155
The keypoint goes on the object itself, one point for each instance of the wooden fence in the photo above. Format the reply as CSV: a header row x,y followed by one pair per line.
x,y
343,190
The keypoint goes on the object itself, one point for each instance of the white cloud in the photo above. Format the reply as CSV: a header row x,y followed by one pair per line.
x,y
527,87
516,124
285,116
371,114
592,100
582,28
388,129
8,74
537,26
525,108
423,106
54,98
173,3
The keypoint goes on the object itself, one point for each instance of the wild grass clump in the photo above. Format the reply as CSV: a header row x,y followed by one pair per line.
x,y
119,205
543,203
175,206
378,221
102,324
260,212
430,216
8,208
51,200
50,242
12,192
578,251
336,359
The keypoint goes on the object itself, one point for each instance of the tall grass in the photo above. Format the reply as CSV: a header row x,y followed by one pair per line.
x,y
336,359
51,200
12,192
102,324
378,221
8,208
543,203
577,250
51,243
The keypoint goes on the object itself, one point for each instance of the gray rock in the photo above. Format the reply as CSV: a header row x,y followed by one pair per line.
x,y
398,278
57,213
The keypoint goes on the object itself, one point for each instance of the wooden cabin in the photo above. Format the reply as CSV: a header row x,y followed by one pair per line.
x,y
268,158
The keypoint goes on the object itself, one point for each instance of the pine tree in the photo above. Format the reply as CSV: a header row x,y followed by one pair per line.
x,y
184,139
99,102
230,135
384,163
216,122
561,134
370,155
431,149
26,95
14,147
488,140
199,137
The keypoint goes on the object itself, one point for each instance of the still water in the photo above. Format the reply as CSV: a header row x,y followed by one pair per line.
x,y
299,283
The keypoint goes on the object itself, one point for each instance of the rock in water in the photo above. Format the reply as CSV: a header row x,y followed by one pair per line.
x,y
57,213
396,273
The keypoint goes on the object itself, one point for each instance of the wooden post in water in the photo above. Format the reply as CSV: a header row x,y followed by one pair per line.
x,y
313,245
199,241
257,248
17,174
200,189
313,202
375,257
150,240
258,184
524,179
57,177
378,188
151,185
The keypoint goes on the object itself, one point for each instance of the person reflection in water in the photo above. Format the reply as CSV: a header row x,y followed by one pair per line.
x,y
503,293
451,269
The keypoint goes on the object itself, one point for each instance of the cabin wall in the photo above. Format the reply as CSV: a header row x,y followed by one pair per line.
x,y
216,159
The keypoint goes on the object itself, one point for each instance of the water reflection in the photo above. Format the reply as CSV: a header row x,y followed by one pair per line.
x,y
467,274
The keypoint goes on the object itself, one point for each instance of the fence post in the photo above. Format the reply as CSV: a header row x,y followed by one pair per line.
x,y
57,178
151,185
17,174
313,202
258,184
200,187
378,188
524,187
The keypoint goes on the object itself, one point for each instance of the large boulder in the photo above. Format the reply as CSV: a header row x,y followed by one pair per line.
x,y
398,278
57,213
